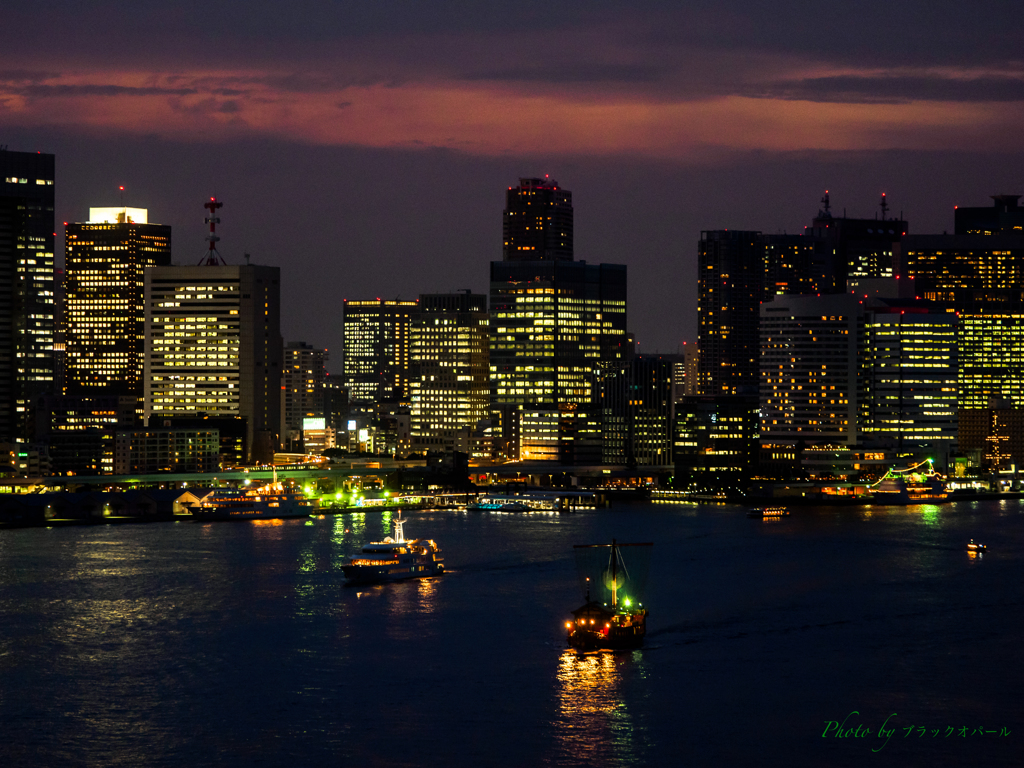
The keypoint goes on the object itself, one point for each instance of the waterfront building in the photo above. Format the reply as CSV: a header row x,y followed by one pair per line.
x,y
27,306
303,383
554,327
377,352
450,386
809,369
909,372
214,347
715,443
537,223
105,262
991,351
995,433
637,402
78,430
148,451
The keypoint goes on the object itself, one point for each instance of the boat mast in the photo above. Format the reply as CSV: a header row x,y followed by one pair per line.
x,y
399,529
615,583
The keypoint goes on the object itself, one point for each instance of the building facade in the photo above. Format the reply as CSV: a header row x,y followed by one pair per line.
x,y
637,403
105,262
378,350
303,385
450,387
27,305
213,346
538,222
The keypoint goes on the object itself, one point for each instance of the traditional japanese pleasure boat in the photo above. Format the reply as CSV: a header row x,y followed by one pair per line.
x,y
394,559
267,502
612,577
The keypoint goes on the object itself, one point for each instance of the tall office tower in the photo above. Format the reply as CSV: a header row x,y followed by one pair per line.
x,y
730,288
105,262
809,369
637,411
26,287
797,264
377,350
856,247
990,340
909,372
1006,216
214,347
303,386
538,222
450,389
555,325
691,361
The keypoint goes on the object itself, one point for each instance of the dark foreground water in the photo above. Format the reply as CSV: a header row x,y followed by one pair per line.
x,y
236,644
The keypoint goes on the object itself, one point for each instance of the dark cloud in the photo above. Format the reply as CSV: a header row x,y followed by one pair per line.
x,y
579,72
894,89
51,91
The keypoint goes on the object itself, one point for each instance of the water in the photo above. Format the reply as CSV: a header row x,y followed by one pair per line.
x,y
236,644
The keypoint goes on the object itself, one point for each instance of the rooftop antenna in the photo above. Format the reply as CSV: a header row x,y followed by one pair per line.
x,y
884,206
213,258
246,259
828,207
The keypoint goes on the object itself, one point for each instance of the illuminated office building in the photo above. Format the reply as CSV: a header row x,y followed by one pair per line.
x,y
715,443
555,326
105,262
450,387
963,269
377,350
214,347
809,369
856,248
909,372
730,288
537,222
991,350
637,410
303,387
27,305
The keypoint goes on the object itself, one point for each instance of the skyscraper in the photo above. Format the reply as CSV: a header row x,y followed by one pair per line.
x,y
26,287
538,222
730,287
213,346
303,386
555,325
377,350
105,262
450,387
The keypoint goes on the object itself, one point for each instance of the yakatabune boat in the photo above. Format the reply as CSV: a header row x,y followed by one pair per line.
x,y
616,619
394,559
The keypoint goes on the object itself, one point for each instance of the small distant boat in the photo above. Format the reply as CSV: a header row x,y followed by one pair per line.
x,y
973,546
616,620
498,504
395,559
767,512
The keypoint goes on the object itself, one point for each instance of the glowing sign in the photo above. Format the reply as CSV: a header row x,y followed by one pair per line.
x,y
314,423
118,215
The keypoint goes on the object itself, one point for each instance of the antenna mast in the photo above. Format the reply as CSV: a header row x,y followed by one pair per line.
x,y
884,206
213,258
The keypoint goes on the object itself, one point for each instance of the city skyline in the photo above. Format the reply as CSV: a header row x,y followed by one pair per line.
x,y
363,149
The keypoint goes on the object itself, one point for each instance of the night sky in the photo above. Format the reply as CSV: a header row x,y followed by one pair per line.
x,y
365,148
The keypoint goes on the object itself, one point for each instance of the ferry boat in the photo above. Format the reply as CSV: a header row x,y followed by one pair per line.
x,y
394,559
767,512
498,504
616,620
268,502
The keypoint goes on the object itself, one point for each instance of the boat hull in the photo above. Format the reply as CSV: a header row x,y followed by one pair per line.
x,y
369,574
238,514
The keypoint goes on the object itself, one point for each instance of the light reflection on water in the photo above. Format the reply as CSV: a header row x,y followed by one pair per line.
x,y
595,725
